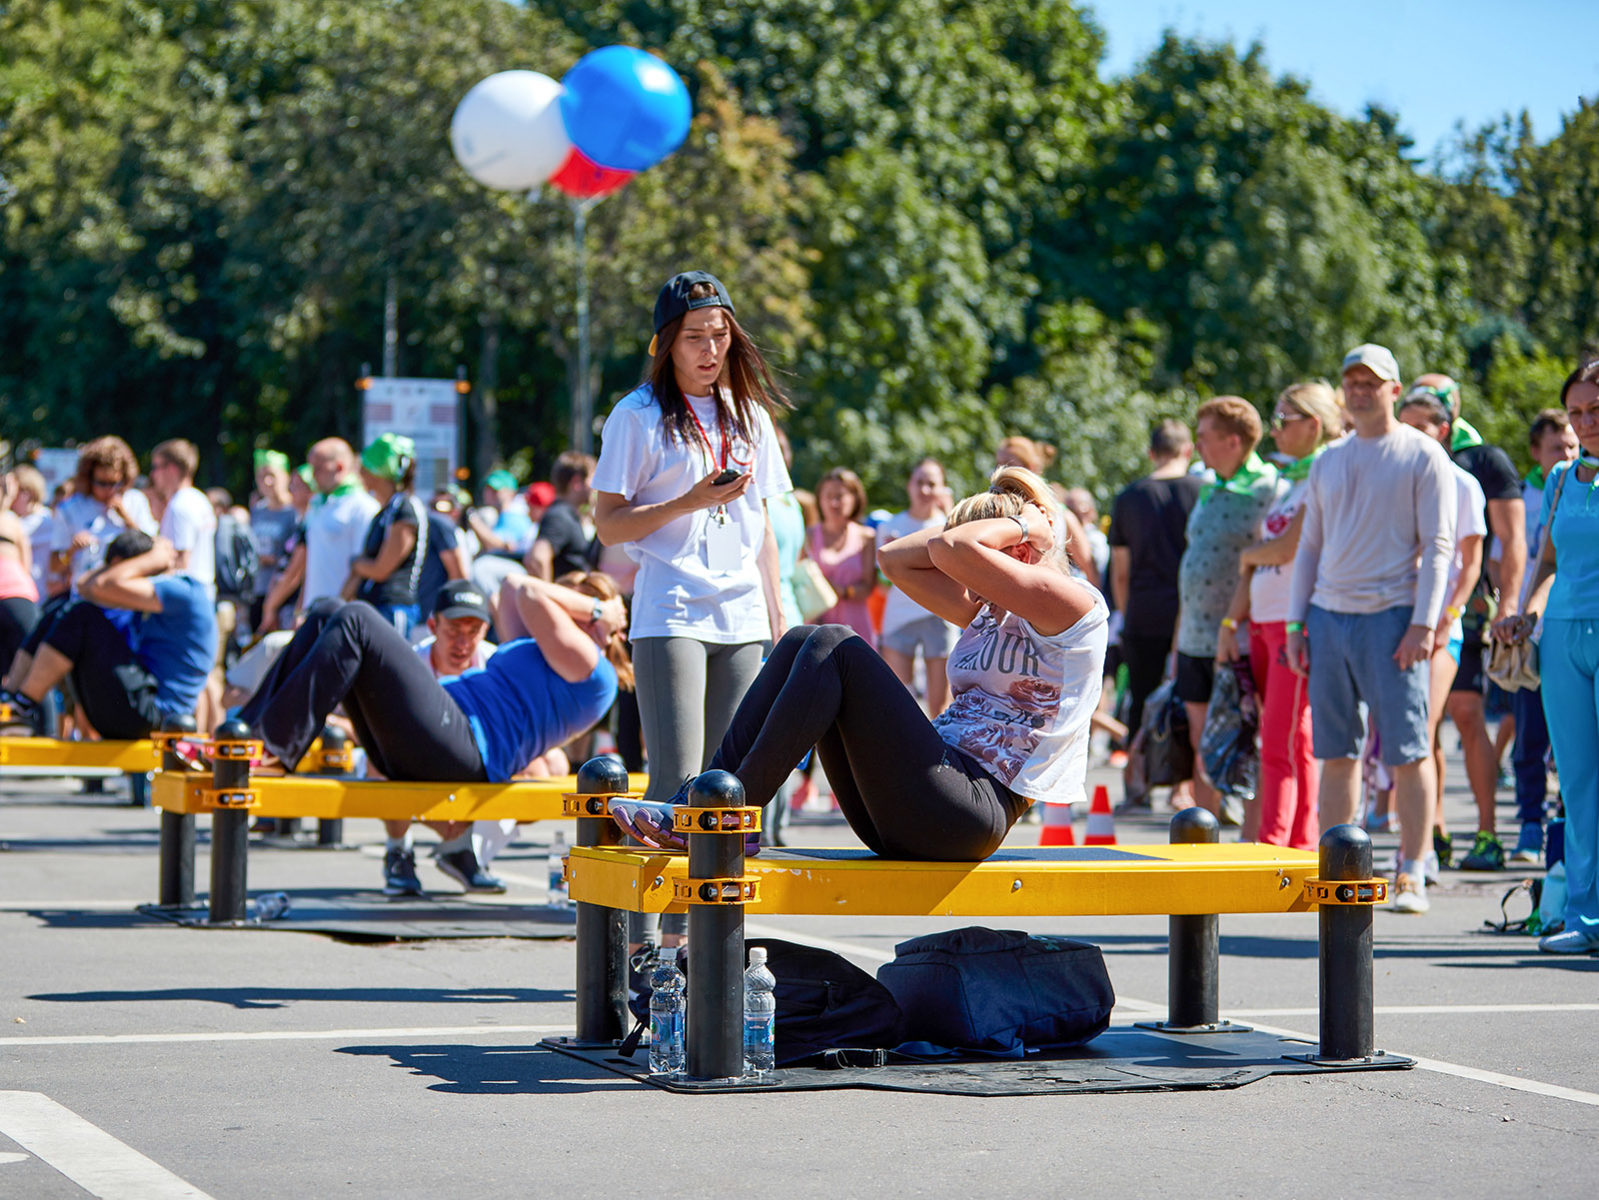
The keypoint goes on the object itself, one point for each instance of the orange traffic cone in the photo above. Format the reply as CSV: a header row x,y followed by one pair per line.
x,y
1101,829
1057,827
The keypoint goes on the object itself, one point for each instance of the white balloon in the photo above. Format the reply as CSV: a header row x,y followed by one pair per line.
x,y
507,131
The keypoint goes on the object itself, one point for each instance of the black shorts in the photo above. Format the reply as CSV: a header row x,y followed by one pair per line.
x,y
1195,677
1471,675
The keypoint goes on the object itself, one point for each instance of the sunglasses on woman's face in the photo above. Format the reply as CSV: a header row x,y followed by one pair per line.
x,y
1278,420
105,484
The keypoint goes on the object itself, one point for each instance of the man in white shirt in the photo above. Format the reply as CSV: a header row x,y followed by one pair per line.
x,y
1367,588
188,520
335,528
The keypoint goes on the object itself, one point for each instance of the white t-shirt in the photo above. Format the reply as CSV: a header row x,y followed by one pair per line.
x,y
480,655
677,594
40,526
84,514
1268,586
335,532
1469,521
1023,701
190,523
899,609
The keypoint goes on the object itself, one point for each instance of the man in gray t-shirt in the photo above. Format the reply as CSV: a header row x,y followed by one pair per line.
x,y
1368,584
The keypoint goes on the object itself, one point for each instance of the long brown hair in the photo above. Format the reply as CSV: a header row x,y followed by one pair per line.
x,y
110,452
602,587
744,374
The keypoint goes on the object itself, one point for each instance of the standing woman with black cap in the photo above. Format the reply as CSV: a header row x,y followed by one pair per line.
x,y
688,460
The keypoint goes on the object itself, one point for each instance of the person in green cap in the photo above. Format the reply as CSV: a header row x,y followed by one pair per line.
x,y
507,540
272,523
386,573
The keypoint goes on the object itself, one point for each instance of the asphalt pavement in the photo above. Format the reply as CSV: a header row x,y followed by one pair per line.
x,y
148,1060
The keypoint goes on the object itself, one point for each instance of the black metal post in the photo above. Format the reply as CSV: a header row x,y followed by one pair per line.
x,y
1348,1029
1193,957
230,829
330,832
177,832
716,941
601,930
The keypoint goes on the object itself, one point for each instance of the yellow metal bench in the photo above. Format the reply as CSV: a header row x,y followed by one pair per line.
x,y
231,795
139,756
1191,881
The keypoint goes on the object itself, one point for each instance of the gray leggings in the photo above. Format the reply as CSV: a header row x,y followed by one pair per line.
x,y
687,691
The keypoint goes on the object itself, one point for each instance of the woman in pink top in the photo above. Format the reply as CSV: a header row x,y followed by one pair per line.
x,y
844,549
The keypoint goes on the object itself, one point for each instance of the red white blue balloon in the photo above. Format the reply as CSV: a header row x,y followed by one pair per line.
x,y
583,178
624,109
508,131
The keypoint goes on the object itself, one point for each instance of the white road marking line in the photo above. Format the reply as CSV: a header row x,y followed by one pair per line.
x,y
1398,1010
759,929
6,1159
87,1154
87,905
277,1035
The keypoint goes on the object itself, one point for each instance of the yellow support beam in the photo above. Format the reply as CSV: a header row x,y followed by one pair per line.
x,y
1028,882
58,753
333,799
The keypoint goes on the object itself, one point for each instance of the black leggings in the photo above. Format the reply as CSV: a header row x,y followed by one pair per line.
x,y
18,616
905,792
410,726
116,692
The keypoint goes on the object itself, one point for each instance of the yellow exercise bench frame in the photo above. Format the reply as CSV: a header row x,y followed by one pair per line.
x,y
1191,880
231,795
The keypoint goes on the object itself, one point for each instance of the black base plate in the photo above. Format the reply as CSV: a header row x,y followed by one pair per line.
x,y
1122,1059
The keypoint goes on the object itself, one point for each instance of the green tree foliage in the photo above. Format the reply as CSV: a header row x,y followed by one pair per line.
x,y
940,220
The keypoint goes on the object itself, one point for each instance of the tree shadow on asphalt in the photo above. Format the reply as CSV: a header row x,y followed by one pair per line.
x,y
495,1070
266,997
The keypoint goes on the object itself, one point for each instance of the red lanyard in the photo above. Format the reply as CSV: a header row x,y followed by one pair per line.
x,y
727,441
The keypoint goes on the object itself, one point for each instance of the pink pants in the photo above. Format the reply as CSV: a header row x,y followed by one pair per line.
x,y
1287,766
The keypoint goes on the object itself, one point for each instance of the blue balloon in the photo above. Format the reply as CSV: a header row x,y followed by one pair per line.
x,y
624,108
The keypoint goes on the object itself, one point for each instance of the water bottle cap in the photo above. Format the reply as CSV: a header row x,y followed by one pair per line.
x,y
757,956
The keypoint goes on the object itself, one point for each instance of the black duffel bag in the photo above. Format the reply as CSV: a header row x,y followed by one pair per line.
x,y
998,991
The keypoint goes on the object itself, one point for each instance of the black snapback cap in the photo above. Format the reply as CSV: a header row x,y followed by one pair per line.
x,y
674,303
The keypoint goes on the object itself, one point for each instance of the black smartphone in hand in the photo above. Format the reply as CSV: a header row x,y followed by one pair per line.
x,y
727,476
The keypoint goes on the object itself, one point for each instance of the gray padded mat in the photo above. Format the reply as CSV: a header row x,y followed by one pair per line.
x,y
1122,1059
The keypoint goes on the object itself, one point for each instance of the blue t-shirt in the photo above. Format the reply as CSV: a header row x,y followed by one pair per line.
x,y
1575,592
518,707
178,645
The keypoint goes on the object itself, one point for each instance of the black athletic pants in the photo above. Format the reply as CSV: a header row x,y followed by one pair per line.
x,y
18,616
346,653
116,692
905,792
1146,667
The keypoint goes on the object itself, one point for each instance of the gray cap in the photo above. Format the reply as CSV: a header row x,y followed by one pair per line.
x,y
1379,359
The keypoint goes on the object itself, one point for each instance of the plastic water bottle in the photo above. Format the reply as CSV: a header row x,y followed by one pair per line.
x,y
271,906
560,897
760,1015
668,1013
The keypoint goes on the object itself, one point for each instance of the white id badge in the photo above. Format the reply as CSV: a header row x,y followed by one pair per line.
x,y
724,549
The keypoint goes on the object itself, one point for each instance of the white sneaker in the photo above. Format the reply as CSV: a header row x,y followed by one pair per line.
x,y
1430,868
1409,897
1572,941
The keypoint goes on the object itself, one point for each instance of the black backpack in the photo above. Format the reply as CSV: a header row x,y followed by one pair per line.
x,y
237,560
